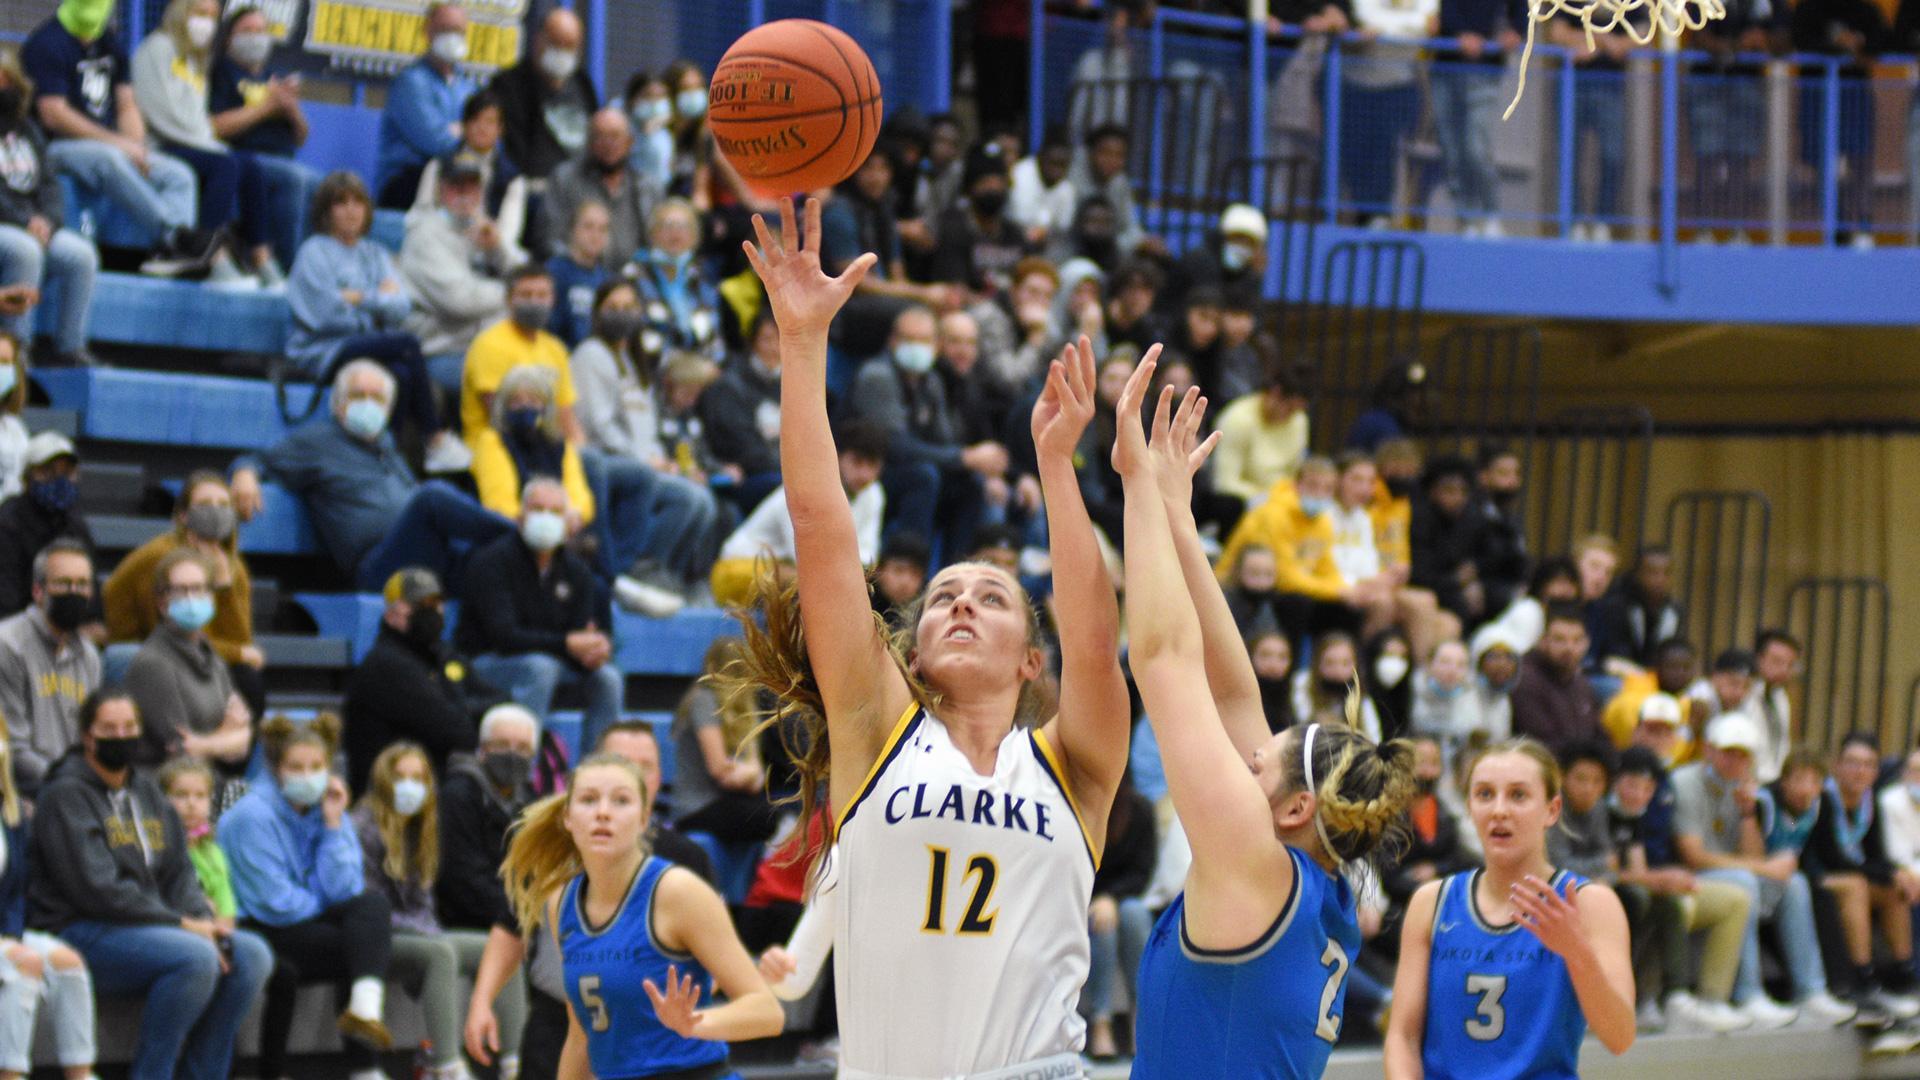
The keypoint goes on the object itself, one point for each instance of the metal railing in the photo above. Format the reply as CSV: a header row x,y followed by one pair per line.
x,y
1592,476
1844,623
1720,541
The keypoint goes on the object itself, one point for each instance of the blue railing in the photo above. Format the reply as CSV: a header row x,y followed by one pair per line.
x,y
1670,147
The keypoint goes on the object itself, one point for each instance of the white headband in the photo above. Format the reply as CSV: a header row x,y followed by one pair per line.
x,y
1306,764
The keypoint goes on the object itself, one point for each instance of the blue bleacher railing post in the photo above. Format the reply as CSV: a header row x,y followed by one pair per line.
x,y
939,72
1830,154
1331,122
756,13
1257,113
1157,45
1568,136
1036,76
1669,281
597,51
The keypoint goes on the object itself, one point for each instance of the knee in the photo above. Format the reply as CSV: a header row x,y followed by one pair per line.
x,y
28,964
63,958
608,679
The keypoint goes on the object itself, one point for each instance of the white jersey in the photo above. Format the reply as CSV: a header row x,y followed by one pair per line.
x,y
961,940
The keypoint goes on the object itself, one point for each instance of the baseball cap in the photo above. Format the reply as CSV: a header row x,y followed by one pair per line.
x,y
460,168
48,445
1243,220
412,584
1734,731
1660,709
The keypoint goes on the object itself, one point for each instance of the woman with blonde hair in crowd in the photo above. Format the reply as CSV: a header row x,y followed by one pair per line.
x,y
36,968
525,441
398,820
13,432
644,944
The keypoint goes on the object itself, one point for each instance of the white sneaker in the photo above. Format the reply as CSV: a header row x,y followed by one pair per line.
x,y
447,453
1717,1017
1492,230
1826,1008
644,599
1648,1019
1577,232
1901,1006
1600,234
1471,229
1766,1014
225,275
1862,241
1893,1042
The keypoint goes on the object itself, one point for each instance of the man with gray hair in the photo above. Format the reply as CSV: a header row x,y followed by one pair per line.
x,y
602,173
421,120
372,515
47,667
533,617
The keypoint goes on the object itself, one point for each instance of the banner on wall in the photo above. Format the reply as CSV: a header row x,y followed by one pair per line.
x,y
386,35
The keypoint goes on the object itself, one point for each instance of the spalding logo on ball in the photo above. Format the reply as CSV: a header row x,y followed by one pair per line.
x,y
794,106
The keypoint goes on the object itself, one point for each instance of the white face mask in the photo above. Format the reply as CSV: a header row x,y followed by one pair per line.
x,y
915,356
543,530
408,797
1390,669
449,47
250,50
558,63
200,30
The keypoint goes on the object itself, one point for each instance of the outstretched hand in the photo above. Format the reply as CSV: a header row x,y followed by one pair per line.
x,y
1130,435
1173,449
675,1008
1065,406
804,298
1554,919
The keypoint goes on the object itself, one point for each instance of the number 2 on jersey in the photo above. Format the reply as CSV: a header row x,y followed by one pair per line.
x,y
1336,958
596,1005
1491,1016
977,920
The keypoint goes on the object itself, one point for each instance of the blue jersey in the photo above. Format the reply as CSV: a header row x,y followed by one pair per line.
x,y
1500,1005
1271,1009
605,969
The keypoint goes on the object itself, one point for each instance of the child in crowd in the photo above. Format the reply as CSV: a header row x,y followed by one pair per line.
x,y
577,273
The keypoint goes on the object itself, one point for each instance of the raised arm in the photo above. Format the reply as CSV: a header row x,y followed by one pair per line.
x,y
1093,726
1241,873
862,689
1230,680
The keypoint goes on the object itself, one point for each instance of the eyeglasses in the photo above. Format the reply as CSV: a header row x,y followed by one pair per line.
x,y
69,586
189,590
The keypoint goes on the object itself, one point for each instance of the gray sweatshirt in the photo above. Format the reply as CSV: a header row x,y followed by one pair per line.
x,y
181,685
619,415
455,286
42,683
171,91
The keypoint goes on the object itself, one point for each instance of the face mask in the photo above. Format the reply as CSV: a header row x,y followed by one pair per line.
x,y
66,611
449,47
211,522
652,111
507,770
116,754
990,203
690,103
1335,688
1913,792
56,495
200,31
408,797
190,613
522,424
543,530
1235,258
531,315
1505,500
1445,693
1400,487
304,789
11,101
914,356
1390,669
1315,505
366,419
1425,784
426,626
9,377
619,324
250,50
558,63
85,19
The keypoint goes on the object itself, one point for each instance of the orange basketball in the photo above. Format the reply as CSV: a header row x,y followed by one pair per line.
x,y
794,106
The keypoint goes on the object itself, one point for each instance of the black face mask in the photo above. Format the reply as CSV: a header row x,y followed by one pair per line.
x,y
1334,688
1400,487
116,754
11,100
989,203
426,626
66,611
1276,701
506,769
1101,249
1504,500
1425,784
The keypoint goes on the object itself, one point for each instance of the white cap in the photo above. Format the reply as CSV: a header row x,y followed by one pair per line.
x,y
1660,709
1734,731
48,445
1243,220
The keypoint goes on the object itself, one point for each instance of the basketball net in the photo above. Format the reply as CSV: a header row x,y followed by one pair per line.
x,y
1668,17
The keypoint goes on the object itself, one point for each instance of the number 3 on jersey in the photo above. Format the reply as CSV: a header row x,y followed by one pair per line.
x,y
977,920
1491,1016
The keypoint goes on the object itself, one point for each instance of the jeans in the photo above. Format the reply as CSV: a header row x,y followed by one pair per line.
x,y
439,525
531,678
429,968
1373,121
192,1012
161,201
400,355
68,995
647,514
1466,104
276,193
68,263
219,176
1790,905
1116,954
1600,106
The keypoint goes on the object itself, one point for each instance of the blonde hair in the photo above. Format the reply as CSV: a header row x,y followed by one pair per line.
x,y
1525,746
280,734
1360,789
9,797
528,379
412,843
180,767
174,24
739,713
541,855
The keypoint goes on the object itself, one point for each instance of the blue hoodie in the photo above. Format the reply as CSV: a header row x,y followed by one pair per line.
x,y
288,866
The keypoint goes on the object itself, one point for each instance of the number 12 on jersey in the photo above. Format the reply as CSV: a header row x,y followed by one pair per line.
x,y
977,920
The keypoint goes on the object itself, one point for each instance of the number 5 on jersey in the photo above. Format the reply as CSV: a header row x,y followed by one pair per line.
x,y
596,1005
977,920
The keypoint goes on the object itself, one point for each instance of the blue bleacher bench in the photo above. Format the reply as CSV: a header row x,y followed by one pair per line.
x,y
129,309
172,409
282,526
389,229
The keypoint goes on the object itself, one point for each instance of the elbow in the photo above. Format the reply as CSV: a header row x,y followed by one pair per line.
x,y
1619,1041
769,1018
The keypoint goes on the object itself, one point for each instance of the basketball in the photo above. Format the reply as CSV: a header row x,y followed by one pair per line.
x,y
794,105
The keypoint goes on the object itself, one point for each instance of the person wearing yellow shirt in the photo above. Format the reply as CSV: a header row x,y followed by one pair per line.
x,y
1295,524
1662,729
1673,672
1263,438
517,340
1397,463
1375,583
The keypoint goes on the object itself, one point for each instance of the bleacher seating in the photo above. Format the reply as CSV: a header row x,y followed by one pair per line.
x,y
155,312
129,405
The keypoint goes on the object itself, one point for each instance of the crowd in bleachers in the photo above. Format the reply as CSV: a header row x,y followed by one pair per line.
x,y
569,347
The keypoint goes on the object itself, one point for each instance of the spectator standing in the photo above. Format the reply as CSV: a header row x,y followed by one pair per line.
x,y
603,172
37,252
1777,662
412,686
1263,439
372,515
112,877
1553,702
259,116
299,882
577,273
546,99
346,302
46,511
48,667
720,781
421,119
503,191
1600,111
13,399
1380,100
1640,615
204,523
479,800
188,704
78,71
452,263
1855,31
1466,105
532,617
